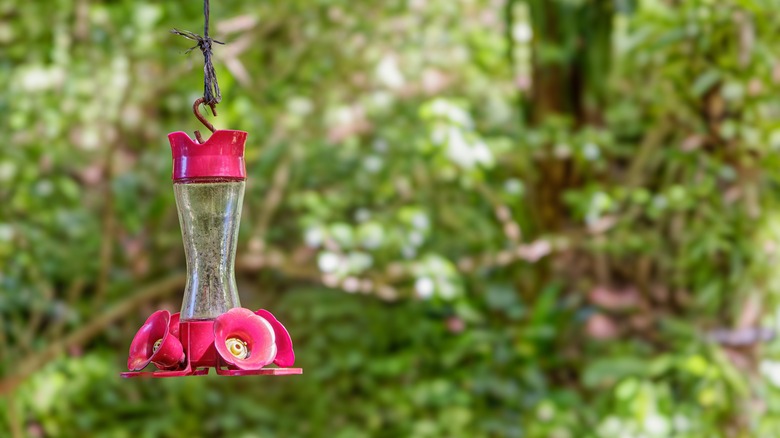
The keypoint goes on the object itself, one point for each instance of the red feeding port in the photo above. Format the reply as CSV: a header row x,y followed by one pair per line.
x,y
155,343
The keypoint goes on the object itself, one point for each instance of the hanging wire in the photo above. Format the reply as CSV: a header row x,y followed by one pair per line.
x,y
211,93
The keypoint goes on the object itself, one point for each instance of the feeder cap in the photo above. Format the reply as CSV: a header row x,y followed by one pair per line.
x,y
221,156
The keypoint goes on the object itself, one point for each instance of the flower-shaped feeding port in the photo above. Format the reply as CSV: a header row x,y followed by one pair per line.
x,y
154,343
244,340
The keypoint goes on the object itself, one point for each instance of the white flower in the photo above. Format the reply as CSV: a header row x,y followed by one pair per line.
x,y
591,151
389,74
424,287
328,261
522,33
771,370
313,237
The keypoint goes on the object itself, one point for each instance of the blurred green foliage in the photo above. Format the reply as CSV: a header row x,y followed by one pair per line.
x,y
477,218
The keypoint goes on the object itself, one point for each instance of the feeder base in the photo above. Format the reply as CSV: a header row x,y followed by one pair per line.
x,y
220,371
197,338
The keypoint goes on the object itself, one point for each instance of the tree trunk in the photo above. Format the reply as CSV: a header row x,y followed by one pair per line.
x,y
571,59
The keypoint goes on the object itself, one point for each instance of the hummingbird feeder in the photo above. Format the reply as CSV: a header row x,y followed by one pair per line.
x,y
212,330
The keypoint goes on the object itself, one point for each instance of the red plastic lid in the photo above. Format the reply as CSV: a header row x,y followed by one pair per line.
x,y
222,155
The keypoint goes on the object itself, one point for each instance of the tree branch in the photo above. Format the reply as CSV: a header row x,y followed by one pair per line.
x,y
34,362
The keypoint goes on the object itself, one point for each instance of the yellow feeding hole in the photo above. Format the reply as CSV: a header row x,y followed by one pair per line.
x,y
156,346
237,348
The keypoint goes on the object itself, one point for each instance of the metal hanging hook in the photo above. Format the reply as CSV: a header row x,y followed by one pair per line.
x,y
206,123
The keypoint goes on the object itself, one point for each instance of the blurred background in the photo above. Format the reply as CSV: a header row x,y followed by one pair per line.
x,y
477,218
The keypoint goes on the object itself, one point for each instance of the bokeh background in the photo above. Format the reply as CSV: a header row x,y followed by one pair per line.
x,y
477,218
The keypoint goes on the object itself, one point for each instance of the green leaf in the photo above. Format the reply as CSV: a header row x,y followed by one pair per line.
x,y
705,82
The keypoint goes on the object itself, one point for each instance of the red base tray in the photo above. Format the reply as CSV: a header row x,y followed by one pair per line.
x,y
201,356
220,371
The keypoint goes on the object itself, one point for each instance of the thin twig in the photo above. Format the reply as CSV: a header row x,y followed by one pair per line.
x,y
25,341
72,296
274,196
108,230
15,418
109,219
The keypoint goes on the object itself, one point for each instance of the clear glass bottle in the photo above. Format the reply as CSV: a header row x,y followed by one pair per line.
x,y
209,214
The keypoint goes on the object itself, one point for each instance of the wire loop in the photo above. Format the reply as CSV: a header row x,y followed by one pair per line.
x,y
206,123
